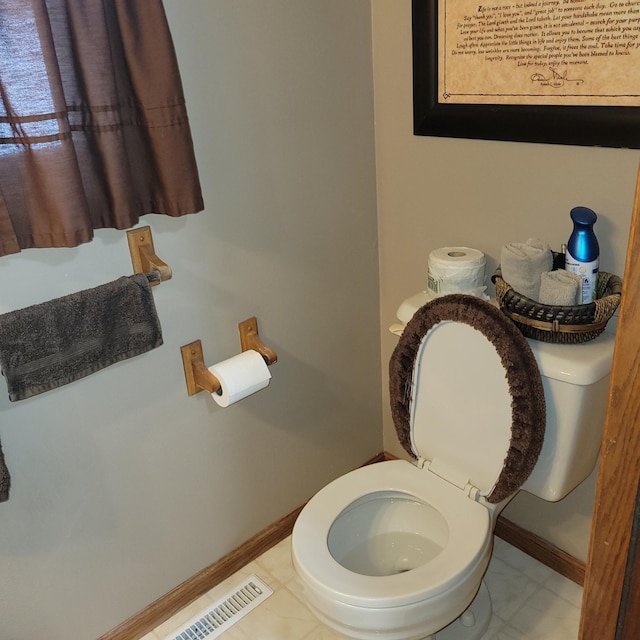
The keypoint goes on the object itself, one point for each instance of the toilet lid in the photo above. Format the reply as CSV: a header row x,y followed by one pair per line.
x,y
466,395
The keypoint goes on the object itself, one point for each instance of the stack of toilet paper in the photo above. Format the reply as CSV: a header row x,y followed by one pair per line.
x,y
456,270
450,270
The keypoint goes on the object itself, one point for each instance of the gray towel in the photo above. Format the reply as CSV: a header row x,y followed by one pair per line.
x,y
51,344
560,288
5,478
523,263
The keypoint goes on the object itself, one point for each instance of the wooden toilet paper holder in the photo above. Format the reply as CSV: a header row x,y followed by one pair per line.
x,y
197,375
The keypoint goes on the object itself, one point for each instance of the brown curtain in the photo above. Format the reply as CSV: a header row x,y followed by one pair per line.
x,y
93,124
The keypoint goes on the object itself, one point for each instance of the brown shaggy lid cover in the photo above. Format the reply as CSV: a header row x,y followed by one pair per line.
x,y
528,409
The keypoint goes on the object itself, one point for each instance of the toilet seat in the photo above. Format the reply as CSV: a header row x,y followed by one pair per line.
x,y
468,522
498,467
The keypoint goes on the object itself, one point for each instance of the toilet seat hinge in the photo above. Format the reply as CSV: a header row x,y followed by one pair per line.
x,y
473,492
446,472
451,475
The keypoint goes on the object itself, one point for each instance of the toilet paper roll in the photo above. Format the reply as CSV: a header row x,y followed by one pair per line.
x,y
456,270
240,376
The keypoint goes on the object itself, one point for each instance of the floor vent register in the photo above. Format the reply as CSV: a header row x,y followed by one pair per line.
x,y
217,618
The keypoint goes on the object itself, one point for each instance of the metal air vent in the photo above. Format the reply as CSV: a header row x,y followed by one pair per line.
x,y
217,618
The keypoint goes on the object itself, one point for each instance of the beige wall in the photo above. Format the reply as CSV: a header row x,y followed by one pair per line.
x,y
122,485
435,192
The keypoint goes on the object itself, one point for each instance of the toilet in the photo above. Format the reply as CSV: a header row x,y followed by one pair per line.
x,y
398,550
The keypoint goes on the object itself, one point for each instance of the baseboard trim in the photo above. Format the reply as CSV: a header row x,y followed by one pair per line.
x,y
166,606
543,551
162,609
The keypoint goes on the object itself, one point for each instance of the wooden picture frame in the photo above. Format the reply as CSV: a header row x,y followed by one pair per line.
x,y
580,124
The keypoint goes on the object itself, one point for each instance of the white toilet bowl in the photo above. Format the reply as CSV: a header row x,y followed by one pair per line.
x,y
397,550
384,552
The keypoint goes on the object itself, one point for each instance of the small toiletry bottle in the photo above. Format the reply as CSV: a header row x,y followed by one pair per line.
x,y
583,251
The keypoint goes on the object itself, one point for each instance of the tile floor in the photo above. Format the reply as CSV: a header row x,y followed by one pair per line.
x,y
530,602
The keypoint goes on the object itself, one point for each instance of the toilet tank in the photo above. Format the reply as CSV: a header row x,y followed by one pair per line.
x,y
576,386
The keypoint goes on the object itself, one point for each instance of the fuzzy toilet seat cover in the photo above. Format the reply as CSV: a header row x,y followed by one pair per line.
x,y
528,408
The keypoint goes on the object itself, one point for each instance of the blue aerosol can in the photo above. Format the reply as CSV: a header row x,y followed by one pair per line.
x,y
583,251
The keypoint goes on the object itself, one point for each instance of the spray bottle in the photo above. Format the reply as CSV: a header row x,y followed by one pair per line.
x,y
583,251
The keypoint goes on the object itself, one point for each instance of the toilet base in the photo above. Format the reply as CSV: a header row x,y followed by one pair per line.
x,y
473,623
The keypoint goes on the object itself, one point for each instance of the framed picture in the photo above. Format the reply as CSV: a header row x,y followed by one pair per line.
x,y
547,71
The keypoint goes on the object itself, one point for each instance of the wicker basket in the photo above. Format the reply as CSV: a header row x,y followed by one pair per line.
x,y
561,325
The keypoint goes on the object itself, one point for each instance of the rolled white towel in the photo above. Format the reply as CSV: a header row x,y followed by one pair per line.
x,y
561,288
523,263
